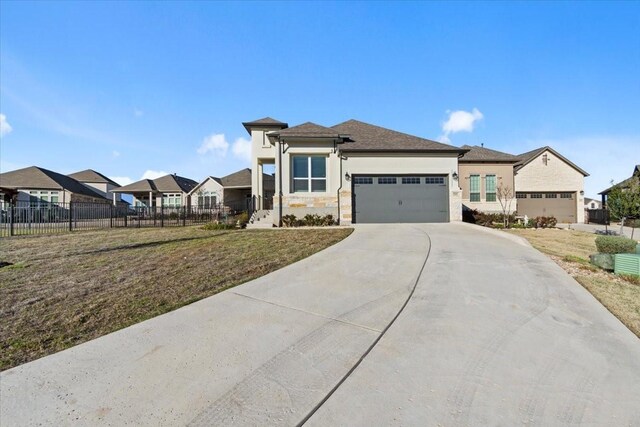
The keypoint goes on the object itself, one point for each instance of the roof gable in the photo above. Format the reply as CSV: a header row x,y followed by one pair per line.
x,y
40,178
482,154
204,181
89,175
165,184
368,137
529,156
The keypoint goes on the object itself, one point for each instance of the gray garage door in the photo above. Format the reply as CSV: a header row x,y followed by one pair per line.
x,y
416,198
560,205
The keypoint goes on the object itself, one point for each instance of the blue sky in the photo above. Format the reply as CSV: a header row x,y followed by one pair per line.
x,y
130,89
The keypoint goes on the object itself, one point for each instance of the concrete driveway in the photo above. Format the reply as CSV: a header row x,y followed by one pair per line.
x,y
495,333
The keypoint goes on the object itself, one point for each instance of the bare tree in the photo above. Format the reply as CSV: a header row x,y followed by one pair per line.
x,y
505,197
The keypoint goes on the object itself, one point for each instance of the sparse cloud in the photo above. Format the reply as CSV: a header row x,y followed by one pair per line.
x,y
605,158
138,112
215,144
5,127
242,149
151,174
460,121
122,180
115,154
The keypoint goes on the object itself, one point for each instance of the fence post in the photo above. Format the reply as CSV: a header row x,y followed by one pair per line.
x,y
70,216
11,220
110,216
184,216
162,215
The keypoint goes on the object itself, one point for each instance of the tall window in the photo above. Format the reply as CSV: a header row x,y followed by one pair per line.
x,y
490,188
309,174
474,188
207,199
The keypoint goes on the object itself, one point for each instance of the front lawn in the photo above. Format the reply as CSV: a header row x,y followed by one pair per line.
x,y
571,249
66,289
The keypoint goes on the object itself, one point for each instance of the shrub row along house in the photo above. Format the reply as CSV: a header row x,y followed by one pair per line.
x,y
362,173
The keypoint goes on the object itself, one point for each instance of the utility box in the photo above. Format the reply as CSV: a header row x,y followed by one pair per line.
x,y
638,249
627,264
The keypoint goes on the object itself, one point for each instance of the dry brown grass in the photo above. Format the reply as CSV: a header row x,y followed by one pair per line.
x,y
571,249
67,289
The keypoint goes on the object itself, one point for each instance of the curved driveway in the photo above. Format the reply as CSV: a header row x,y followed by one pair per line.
x,y
495,334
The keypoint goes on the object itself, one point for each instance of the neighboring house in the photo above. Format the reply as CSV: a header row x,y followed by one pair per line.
x,y
548,184
98,182
635,176
169,190
482,173
233,190
592,203
42,187
355,171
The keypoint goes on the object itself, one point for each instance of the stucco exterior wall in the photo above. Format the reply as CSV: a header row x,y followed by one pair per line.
x,y
262,151
504,175
554,176
104,189
212,187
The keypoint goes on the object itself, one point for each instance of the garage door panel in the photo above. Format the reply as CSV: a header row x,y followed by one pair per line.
x,y
388,203
562,208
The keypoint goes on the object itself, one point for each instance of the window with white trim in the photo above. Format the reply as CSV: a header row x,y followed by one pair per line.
x,y
474,188
207,199
172,199
411,180
44,198
309,174
490,188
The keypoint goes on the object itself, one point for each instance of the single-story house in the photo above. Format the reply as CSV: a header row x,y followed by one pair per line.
x,y
483,172
98,182
592,203
543,182
635,176
169,190
549,184
233,191
355,171
42,187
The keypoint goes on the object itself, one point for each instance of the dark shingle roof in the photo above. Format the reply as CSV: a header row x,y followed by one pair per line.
x,y
89,175
40,178
627,182
265,122
527,157
482,154
242,178
165,184
367,137
307,130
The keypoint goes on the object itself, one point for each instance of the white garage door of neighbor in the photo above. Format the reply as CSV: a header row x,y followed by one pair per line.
x,y
400,198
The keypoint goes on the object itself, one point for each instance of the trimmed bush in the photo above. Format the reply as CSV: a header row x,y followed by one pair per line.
x,y
615,245
309,220
545,222
218,226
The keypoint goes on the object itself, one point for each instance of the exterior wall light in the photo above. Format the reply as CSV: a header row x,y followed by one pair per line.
x,y
347,176
454,176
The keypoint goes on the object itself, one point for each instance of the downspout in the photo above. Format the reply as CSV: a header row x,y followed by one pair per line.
x,y
280,182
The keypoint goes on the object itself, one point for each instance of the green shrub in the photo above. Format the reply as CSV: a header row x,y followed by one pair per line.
x,y
243,218
545,222
312,220
328,220
615,245
290,221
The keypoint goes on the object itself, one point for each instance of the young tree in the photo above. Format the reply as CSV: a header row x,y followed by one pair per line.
x,y
505,197
624,203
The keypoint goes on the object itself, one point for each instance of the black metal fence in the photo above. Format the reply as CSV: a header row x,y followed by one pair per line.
x,y
44,218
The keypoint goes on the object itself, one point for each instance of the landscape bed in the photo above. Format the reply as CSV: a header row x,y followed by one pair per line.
x,y
66,289
571,249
